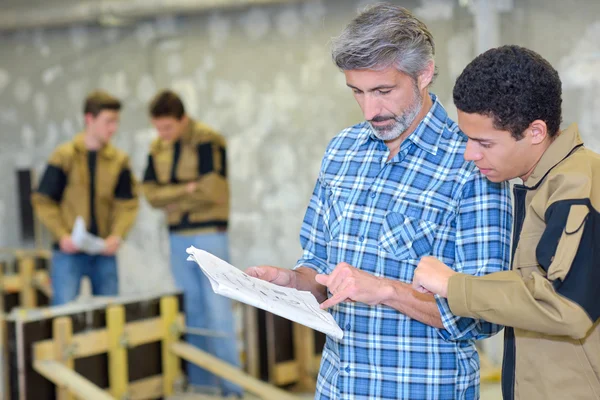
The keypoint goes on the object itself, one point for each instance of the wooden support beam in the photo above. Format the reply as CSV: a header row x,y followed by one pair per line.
x,y
95,342
13,283
304,349
26,270
285,373
147,388
41,281
229,372
169,308
62,332
251,336
118,376
70,381
270,335
22,252
317,364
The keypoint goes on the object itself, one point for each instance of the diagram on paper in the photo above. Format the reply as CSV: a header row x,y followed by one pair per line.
x,y
295,305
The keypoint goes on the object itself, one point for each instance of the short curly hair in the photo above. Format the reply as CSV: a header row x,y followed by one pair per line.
x,y
512,85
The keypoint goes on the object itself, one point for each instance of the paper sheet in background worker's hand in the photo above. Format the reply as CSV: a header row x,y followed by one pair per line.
x,y
85,241
292,304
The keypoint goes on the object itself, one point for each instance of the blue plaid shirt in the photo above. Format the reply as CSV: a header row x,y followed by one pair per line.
x,y
382,216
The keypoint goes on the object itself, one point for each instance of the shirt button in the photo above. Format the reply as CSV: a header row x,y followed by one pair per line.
x,y
361,238
347,326
347,369
408,245
372,195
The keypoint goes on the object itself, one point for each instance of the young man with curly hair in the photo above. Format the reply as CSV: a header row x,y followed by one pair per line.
x,y
509,105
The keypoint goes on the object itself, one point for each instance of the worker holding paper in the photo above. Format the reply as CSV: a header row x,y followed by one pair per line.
x,y
89,178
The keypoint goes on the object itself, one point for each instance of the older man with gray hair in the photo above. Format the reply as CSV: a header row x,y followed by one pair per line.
x,y
391,190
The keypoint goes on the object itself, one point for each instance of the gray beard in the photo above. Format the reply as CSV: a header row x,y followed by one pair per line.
x,y
401,124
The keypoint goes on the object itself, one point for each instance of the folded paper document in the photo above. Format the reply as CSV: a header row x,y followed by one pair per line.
x,y
85,241
295,305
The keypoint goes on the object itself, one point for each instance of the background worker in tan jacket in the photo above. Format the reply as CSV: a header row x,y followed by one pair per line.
x,y
509,104
186,176
91,178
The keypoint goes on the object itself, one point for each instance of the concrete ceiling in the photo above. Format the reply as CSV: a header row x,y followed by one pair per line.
x,y
24,14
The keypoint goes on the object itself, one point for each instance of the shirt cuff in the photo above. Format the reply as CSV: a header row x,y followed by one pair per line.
x,y
310,265
457,295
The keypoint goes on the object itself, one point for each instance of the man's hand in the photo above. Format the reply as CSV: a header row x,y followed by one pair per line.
x,y
431,276
171,207
190,187
67,246
276,275
348,283
111,245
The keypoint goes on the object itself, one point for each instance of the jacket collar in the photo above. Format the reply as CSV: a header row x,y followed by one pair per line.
x,y
108,151
562,146
186,136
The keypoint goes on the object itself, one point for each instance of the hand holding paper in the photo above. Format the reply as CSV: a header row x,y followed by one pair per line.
x,y
84,240
295,305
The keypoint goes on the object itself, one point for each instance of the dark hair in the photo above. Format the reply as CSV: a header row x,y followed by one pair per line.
x,y
99,100
512,85
167,104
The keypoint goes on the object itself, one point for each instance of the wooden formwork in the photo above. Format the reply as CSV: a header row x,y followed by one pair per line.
x,y
110,349
280,351
24,282
24,278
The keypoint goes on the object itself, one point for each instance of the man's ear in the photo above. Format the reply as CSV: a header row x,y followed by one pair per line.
x,y
426,76
87,118
537,131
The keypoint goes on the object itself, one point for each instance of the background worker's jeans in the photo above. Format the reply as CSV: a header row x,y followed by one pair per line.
x,y
204,308
67,270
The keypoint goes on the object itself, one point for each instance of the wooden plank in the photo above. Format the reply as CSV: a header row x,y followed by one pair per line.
x,y
118,376
62,331
27,291
13,283
317,364
287,372
95,342
20,252
148,330
148,388
271,361
229,372
304,349
84,345
70,381
169,307
41,281
251,336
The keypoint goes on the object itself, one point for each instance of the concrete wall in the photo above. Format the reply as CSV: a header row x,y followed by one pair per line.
x,y
264,78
